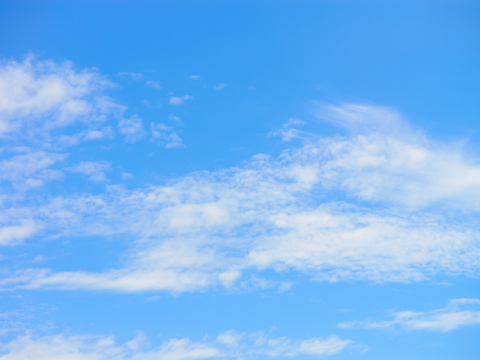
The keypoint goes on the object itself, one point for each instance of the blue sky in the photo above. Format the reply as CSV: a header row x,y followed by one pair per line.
x,y
239,180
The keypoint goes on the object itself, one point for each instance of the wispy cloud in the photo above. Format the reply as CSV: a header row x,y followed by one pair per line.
x,y
94,169
363,118
132,128
47,95
105,132
15,234
179,100
220,86
32,169
227,345
166,134
47,108
194,77
153,84
289,130
226,227
458,313
385,160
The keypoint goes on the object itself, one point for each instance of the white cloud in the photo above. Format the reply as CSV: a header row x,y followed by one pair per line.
x,y
224,228
94,135
458,313
39,99
179,349
132,128
220,86
384,160
95,169
105,132
179,100
15,234
42,93
39,258
288,132
194,77
91,347
230,338
46,107
153,84
32,169
281,347
60,347
362,118
164,133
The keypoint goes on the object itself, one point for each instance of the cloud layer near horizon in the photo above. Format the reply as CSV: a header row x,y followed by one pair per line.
x,y
229,344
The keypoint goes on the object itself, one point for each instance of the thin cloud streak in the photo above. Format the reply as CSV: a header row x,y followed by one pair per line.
x,y
227,345
458,313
